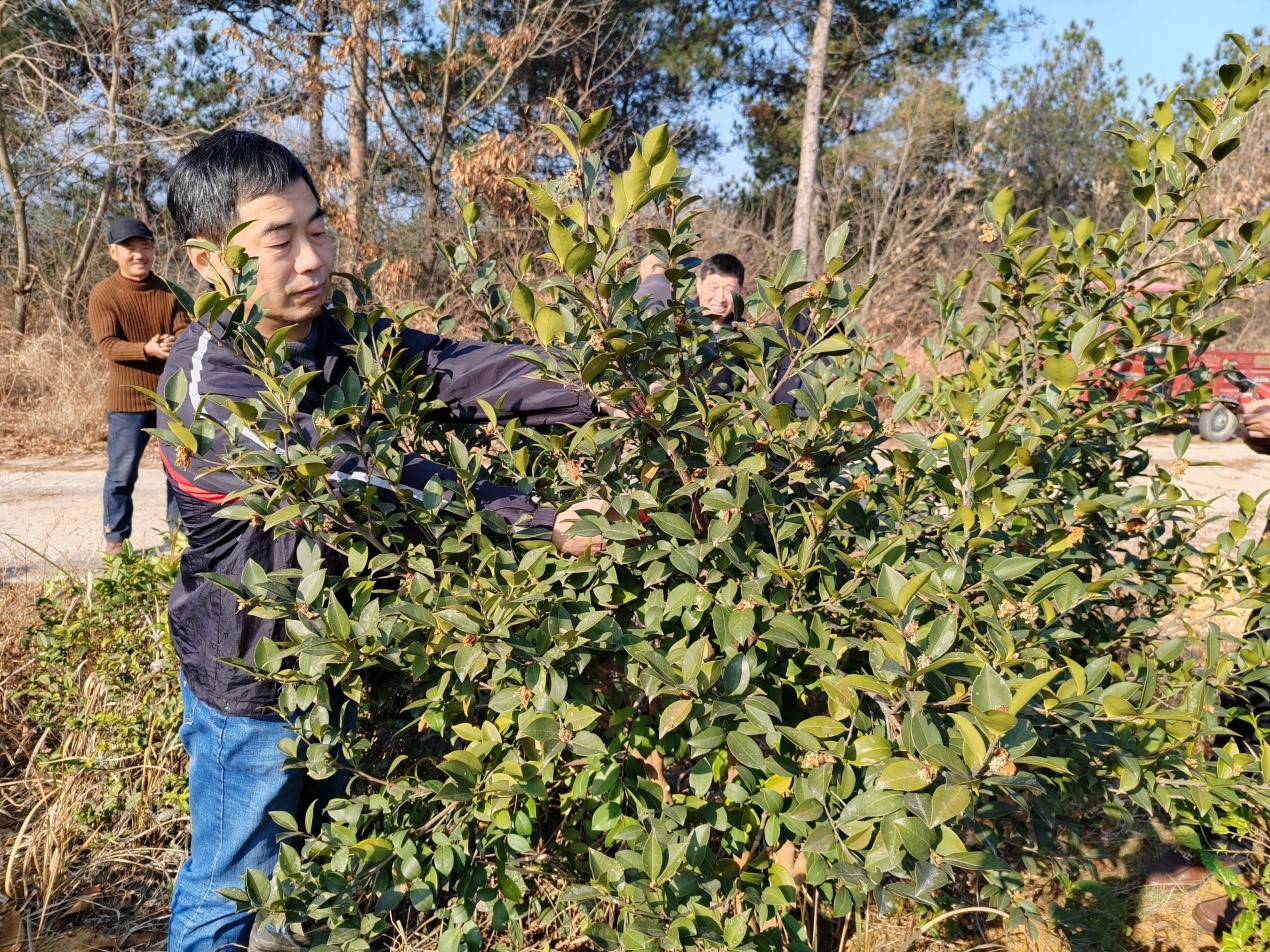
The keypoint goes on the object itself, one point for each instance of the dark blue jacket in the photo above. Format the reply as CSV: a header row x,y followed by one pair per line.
x,y
204,619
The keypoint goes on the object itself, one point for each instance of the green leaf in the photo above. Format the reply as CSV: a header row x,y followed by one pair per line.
x,y
1223,149
588,744
745,750
454,618
562,241
1116,706
549,325
257,884
1138,155
974,749
580,257
1203,112
674,715
656,144
836,241
907,775
822,727
1002,205
673,525
977,860
285,514
595,123
989,690
565,140
740,624
948,803
736,675
1030,688
1061,371
539,198
523,302
1007,569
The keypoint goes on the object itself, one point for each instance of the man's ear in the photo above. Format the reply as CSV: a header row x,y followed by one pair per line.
x,y
208,264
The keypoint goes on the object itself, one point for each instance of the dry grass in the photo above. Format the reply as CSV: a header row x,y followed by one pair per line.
x,y
51,395
68,882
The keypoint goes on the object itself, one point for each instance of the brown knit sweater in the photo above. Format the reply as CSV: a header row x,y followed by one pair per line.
x,y
124,315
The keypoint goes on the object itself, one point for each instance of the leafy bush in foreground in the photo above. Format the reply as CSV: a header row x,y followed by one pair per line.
x,y
904,635
109,628
95,793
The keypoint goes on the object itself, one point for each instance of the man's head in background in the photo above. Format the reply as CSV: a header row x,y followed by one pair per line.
x,y
235,176
719,278
131,248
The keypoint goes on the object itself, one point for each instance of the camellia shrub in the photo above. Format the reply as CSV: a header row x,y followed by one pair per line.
x,y
859,635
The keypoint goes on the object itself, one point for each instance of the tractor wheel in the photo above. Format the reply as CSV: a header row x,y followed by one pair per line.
x,y
1218,423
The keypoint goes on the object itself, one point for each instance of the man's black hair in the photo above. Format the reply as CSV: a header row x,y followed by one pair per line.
x,y
725,264
224,171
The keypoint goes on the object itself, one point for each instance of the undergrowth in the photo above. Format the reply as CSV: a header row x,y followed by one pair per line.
x,y
92,787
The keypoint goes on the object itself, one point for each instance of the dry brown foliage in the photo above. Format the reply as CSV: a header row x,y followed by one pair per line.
x,y
481,173
51,395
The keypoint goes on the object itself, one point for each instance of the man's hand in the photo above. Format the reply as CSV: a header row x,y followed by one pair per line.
x,y
1255,418
160,345
568,518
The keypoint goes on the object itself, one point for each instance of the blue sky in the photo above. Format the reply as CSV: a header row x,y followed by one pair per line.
x,y
1147,36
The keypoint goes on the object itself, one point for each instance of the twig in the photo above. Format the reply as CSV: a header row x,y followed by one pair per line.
x,y
61,568
912,939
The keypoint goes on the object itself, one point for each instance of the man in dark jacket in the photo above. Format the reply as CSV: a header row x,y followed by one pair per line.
x,y
720,279
229,730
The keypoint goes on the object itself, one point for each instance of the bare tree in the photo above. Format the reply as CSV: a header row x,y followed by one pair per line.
x,y
73,129
358,113
809,149
909,186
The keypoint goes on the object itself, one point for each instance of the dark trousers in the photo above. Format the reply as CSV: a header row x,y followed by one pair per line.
x,y
125,443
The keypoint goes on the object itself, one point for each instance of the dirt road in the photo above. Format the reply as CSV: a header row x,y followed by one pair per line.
x,y
50,514
50,509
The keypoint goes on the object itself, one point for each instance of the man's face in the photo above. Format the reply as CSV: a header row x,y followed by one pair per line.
x,y
134,258
289,237
715,294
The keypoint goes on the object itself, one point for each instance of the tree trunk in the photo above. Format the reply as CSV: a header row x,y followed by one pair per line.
x,y
358,150
71,292
315,89
71,287
809,148
24,276
137,183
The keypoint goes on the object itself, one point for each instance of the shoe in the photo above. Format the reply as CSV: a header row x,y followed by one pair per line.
x,y
264,939
112,548
1176,870
1218,915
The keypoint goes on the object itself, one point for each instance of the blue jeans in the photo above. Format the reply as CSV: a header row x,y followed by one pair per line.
x,y
236,780
125,442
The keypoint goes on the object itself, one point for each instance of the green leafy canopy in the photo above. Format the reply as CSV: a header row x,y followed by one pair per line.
x,y
913,627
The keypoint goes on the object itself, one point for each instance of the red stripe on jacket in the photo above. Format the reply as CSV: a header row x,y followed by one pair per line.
x,y
187,487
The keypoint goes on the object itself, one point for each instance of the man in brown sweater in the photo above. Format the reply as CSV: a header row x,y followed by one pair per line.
x,y
135,320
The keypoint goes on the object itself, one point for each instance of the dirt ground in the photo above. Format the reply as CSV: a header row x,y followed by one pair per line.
x,y
50,509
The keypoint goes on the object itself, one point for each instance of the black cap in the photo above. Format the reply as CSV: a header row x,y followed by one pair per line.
x,y
124,228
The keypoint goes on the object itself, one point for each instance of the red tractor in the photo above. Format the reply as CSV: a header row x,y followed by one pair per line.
x,y
1239,376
